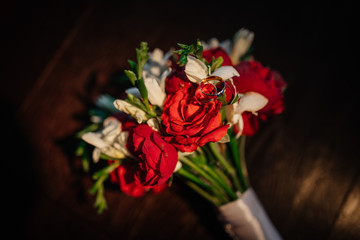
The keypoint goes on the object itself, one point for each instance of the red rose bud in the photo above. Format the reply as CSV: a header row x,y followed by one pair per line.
x,y
124,176
190,123
157,158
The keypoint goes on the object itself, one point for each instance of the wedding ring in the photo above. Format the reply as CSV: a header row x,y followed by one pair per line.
x,y
217,82
210,89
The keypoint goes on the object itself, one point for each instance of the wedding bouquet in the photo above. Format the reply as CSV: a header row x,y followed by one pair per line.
x,y
186,117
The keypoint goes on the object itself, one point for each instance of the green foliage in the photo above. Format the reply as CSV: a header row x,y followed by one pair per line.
x,y
98,188
135,74
215,63
186,50
131,75
197,51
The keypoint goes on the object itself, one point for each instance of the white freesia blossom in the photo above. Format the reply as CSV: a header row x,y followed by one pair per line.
x,y
154,73
156,93
154,124
111,140
130,109
249,102
241,44
214,43
197,71
237,48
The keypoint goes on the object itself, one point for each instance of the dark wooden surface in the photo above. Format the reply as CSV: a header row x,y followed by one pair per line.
x,y
56,57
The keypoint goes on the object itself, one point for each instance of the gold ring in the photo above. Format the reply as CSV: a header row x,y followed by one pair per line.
x,y
213,80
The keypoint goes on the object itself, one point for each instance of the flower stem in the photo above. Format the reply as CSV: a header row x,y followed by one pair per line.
x,y
230,170
222,180
192,177
238,158
223,184
203,193
243,174
217,189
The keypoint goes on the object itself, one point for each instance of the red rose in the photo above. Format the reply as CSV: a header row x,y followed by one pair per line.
x,y
217,52
124,176
256,78
177,80
190,123
157,158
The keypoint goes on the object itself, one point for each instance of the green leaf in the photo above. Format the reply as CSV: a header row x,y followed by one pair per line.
x,y
100,201
135,101
237,96
133,65
106,170
80,149
142,88
98,188
189,50
141,56
199,49
222,99
131,75
85,162
216,63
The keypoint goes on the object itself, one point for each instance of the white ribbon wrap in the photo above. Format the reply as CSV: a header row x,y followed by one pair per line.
x,y
245,218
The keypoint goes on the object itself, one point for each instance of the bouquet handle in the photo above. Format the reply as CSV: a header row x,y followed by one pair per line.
x,y
245,218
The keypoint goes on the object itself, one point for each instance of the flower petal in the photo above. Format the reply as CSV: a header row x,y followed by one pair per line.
x,y
154,124
195,69
252,102
128,108
155,93
242,42
226,72
94,139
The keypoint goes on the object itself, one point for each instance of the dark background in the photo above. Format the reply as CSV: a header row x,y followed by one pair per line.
x,y
57,56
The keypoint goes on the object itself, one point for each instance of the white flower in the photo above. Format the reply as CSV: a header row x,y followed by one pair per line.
x,y
249,102
111,140
155,88
214,43
241,44
237,48
197,71
130,109
154,73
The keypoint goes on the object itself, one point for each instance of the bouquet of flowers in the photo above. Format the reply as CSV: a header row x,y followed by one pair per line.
x,y
187,117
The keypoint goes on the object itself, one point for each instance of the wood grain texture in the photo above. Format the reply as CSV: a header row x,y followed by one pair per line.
x,y
304,165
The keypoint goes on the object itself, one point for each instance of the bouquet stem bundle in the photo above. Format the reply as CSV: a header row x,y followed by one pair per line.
x,y
217,171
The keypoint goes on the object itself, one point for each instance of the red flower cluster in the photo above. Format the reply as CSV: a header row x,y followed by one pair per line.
x,y
256,78
156,162
253,78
